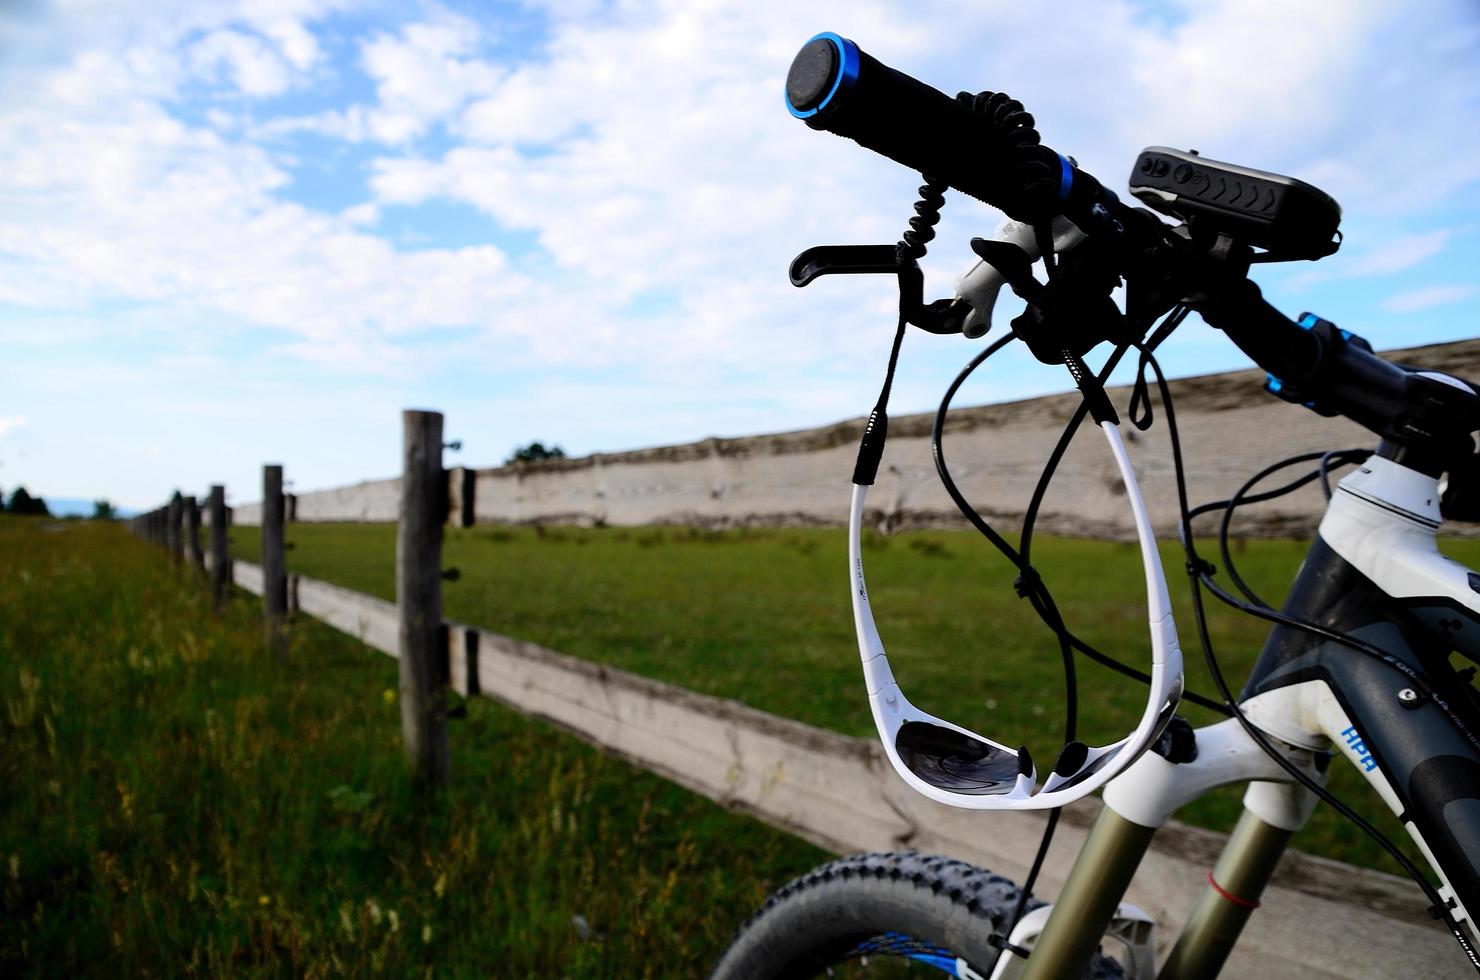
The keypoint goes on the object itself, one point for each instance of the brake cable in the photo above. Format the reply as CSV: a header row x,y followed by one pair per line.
x,y
1259,609
1239,498
1030,583
1325,474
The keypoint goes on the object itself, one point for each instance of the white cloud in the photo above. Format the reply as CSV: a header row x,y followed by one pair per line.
x,y
423,75
664,164
1427,298
645,148
295,42
662,159
1398,254
11,423
108,197
255,69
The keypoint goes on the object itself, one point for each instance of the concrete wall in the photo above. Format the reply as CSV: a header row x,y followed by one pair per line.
x,y
1230,429
369,500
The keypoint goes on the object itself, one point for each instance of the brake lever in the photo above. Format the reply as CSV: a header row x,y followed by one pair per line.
x,y
943,316
828,260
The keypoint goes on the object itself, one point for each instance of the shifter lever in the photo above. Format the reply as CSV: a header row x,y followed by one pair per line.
x,y
981,283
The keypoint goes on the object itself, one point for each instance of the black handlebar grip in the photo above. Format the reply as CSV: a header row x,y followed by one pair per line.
x,y
835,86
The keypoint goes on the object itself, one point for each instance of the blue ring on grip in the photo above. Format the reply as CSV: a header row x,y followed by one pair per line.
x,y
1066,177
847,73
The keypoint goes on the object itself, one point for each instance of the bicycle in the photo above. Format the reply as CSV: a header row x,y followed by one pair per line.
x,y
1357,662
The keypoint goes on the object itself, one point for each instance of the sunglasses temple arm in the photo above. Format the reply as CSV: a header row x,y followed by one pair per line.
x,y
870,647
1158,596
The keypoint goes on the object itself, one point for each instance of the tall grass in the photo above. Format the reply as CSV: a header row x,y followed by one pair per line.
x,y
176,802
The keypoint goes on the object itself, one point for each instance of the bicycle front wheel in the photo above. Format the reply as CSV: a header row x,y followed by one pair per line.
x,y
882,915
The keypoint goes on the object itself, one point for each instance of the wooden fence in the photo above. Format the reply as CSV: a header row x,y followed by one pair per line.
x,y
1320,919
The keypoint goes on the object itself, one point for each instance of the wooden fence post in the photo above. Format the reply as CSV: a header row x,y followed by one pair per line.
x,y
419,598
220,563
193,552
274,569
176,515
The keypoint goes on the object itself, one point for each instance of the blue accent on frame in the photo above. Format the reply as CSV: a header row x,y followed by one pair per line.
x,y
1066,178
847,73
1273,384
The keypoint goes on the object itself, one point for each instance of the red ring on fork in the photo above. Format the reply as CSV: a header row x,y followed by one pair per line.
x,y
1241,902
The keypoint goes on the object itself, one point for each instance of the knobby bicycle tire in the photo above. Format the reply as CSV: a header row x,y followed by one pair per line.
x,y
880,904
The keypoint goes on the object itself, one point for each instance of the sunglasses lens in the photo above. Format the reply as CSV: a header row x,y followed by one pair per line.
x,y
950,760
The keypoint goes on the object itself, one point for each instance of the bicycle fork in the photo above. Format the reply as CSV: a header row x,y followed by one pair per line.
x,y
1140,802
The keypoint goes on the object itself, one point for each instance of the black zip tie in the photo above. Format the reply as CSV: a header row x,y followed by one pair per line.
x,y
1028,583
997,941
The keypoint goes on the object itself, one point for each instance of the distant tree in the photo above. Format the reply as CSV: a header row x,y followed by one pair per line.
x,y
2,501
104,511
534,452
22,502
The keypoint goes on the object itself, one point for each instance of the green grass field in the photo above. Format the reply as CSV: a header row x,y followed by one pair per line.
x,y
176,802
763,616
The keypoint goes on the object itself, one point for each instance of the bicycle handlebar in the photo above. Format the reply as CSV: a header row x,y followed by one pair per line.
x,y
1312,362
994,156
985,146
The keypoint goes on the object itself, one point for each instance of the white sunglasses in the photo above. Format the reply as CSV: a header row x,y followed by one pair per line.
x,y
951,765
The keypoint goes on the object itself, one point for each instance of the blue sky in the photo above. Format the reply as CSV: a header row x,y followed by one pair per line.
x,y
234,233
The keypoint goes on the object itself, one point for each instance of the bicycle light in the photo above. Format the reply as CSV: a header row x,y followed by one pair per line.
x,y
955,766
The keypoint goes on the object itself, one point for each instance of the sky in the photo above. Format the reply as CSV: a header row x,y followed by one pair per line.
x,y
234,233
